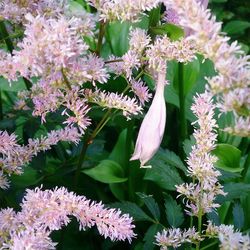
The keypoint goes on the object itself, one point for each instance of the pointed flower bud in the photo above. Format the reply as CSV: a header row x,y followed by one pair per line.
x,y
153,125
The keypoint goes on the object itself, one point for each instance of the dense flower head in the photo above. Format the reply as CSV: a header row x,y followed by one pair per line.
x,y
201,195
229,237
111,10
48,46
45,211
128,106
16,10
164,50
174,237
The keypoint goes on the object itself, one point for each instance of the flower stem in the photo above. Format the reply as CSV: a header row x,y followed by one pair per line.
x,y
199,226
87,141
5,36
183,122
100,37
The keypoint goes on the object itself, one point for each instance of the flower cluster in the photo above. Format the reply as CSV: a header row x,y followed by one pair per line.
x,y
176,237
104,99
45,211
201,195
228,236
16,10
111,10
164,50
14,156
229,60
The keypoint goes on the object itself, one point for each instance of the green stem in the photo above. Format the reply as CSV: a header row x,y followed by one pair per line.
x,y
183,122
87,141
199,226
5,36
100,37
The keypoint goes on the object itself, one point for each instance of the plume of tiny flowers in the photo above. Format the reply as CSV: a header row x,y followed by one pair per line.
x,y
164,50
111,10
230,239
49,45
175,237
16,10
45,211
128,106
201,195
15,156
229,60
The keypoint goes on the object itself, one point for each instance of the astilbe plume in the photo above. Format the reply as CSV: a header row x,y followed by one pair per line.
x,y
16,10
14,156
201,193
45,211
111,10
232,65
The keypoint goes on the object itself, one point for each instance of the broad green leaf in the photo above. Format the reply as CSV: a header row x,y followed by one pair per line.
x,y
119,151
173,211
149,237
117,35
165,176
236,27
13,86
154,17
28,178
238,216
228,157
234,191
118,190
172,31
190,73
133,210
150,204
170,158
106,171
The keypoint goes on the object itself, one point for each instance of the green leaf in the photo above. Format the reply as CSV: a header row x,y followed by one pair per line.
x,y
119,151
106,171
149,237
14,86
154,17
150,204
238,216
191,72
234,191
174,212
169,157
28,178
133,210
228,157
236,27
117,35
165,176
172,31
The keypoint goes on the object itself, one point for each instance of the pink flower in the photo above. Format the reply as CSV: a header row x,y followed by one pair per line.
x,y
153,125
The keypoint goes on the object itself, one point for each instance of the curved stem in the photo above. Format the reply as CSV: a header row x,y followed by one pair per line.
x,y
100,37
87,141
